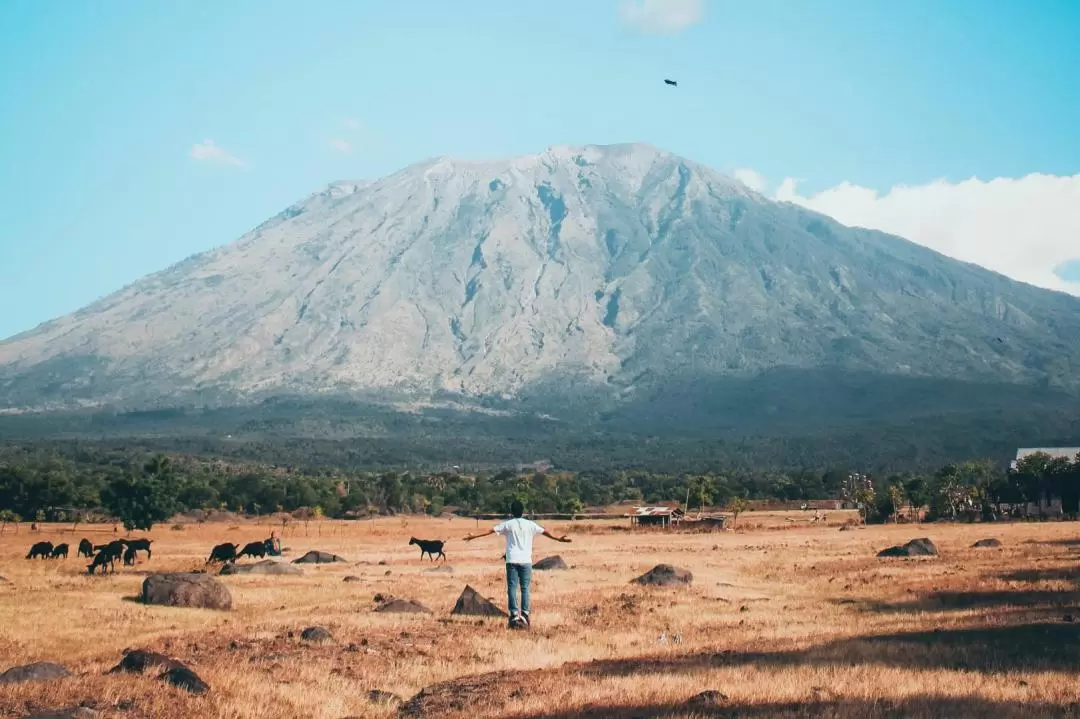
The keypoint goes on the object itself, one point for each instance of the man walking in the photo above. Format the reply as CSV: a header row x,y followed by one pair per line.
x,y
519,533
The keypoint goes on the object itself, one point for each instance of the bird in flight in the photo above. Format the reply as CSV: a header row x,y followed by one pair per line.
x,y
671,82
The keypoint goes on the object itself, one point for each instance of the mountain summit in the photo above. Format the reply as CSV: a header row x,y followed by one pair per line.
x,y
597,269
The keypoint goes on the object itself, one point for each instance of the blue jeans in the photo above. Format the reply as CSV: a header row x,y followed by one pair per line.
x,y
518,575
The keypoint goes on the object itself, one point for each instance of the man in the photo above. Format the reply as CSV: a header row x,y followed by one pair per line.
x,y
519,533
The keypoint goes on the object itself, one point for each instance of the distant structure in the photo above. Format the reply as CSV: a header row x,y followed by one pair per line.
x,y
656,516
1069,453
540,465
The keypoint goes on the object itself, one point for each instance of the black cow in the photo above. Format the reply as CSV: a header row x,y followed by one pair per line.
x,y
430,547
103,560
60,550
40,549
223,553
86,549
129,556
140,545
253,550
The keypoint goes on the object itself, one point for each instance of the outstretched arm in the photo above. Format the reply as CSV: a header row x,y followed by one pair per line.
x,y
478,536
557,538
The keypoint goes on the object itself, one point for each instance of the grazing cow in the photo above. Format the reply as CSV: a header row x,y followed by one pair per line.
x,y
114,550
40,549
60,550
430,547
129,556
102,560
223,553
253,550
140,545
86,549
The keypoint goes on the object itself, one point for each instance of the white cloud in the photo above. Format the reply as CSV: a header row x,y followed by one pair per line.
x,y
1024,228
207,151
341,145
661,17
752,179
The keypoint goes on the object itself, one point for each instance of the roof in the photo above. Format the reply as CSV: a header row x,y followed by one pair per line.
x,y
655,511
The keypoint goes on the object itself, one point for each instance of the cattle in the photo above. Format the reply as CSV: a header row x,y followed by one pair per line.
x,y
60,550
129,556
40,549
102,560
140,545
223,553
430,547
114,550
86,549
253,550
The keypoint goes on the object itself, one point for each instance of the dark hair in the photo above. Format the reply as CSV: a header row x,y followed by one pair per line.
x,y
517,508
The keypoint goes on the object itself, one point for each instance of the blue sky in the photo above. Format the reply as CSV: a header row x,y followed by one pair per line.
x,y
105,103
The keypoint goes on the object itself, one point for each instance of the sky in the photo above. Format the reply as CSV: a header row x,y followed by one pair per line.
x,y
135,134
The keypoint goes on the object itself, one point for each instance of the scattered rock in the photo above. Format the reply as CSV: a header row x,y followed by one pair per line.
x,y
139,660
921,547
382,562
378,696
317,557
470,603
984,543
266,566
70,713
36,672
846,528
555,562
184,678
710,698
351,578
403,606
665,575
1068,618
443,569
186,590
316,635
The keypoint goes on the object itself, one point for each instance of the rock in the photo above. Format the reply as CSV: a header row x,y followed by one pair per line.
x,y
471,604
378,696
846,528
186,590
70,713
184,678
403,606
316,635
351,578
921,547
986,543
442,569
317,557
665,575
36,672
710,698
4,580
266,566
555,562
139,660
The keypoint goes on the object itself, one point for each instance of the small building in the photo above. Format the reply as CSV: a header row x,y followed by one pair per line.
x,y
656,516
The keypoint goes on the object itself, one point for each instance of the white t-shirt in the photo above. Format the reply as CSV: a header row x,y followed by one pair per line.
x,y
519,533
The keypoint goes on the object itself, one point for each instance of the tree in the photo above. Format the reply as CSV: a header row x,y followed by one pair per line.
x,y
8,517
701,489
918,493
896,498
140,502
736,506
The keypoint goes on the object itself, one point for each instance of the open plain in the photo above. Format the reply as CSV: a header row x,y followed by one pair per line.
x,y
787,620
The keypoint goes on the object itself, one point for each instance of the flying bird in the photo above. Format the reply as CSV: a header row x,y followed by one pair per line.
x,y
671,82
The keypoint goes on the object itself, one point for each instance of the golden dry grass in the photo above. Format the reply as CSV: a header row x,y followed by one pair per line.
x,y
791,621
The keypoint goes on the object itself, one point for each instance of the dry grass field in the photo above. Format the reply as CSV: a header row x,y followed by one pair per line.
x,y
784,619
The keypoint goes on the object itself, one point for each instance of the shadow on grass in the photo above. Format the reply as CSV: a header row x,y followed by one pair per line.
x,y
989,599
1049,574
928,706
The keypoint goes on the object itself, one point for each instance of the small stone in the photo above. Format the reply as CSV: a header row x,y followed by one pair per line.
x,y
36,672
184,678
378,696
316,635
351,578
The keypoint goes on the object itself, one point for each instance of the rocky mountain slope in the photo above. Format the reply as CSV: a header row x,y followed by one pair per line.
x,y
617,272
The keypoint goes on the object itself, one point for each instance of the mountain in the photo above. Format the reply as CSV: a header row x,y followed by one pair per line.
x,y
615,282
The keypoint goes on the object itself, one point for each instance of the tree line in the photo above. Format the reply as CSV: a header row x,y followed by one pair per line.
x,y
140,489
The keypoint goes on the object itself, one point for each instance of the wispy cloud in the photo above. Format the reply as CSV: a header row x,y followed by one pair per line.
x,y
352,124
661,17
752,179
208,151
340,145
1025,228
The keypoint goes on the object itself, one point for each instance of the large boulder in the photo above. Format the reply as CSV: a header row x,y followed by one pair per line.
x,y
471,604
555,562
986,543
36,672
186,590
184,678
139,660
921,547
665,575
317,557
266,566
402,606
